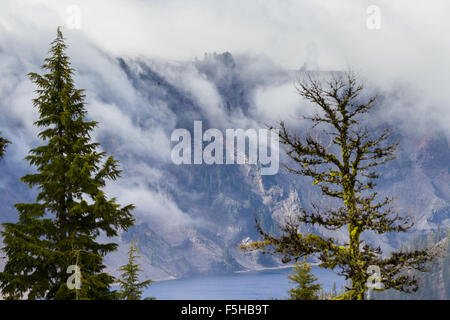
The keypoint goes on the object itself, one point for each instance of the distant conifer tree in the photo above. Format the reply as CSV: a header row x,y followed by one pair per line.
x,y
62,227
130,287
306,288
333,290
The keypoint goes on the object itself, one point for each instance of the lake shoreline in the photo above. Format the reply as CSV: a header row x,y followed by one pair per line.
x,y
264,269
258,269
273,268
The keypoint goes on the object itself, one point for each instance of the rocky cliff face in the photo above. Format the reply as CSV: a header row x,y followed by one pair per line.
x,y
191,218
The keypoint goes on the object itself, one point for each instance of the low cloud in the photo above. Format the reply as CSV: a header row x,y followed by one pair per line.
x,y
129,137
281,102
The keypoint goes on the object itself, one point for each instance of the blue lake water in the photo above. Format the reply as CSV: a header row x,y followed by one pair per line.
x,y
253,285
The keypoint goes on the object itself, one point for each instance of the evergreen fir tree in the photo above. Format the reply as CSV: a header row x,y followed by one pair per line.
x,y
3,144
342,159
130,287
333,290
306,288
61,228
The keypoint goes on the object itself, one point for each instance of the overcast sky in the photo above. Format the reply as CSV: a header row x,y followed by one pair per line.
x,y
288,31
410,44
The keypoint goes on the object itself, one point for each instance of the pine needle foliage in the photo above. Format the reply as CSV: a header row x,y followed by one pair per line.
x,y
306,287
130,287
3,144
